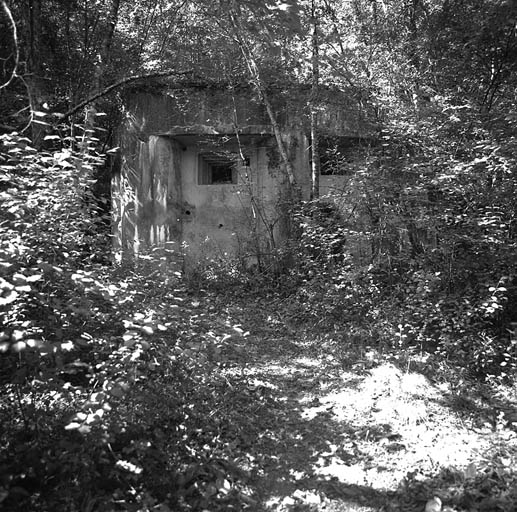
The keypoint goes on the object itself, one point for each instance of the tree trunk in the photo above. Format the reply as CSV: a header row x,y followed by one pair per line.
x,y
34,80
104,54
261,89
315,162
16,47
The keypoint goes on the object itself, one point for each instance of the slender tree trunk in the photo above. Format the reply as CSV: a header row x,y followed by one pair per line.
x,y
34,80
315,162
16,48
100,174
261,89
100,69
105,50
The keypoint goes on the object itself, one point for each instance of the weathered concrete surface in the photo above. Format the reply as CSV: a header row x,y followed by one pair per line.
x,y
147,192
152,113
158,198
223,108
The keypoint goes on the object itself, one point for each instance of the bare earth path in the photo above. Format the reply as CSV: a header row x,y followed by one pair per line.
x,y
318,429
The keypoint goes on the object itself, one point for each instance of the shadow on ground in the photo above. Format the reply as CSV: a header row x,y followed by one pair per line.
x,y
302,455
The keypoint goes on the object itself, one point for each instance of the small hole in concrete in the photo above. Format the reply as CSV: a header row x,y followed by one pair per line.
x,y
187,212
220,225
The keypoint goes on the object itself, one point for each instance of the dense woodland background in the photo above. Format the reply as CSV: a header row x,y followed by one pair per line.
x,y
95,363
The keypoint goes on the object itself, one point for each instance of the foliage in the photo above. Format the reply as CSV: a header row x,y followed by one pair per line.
x,y
50,231
439,228
98,363
117,390
49,242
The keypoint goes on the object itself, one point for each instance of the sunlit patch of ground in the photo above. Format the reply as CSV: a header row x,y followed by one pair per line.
x,y
399,422
372,438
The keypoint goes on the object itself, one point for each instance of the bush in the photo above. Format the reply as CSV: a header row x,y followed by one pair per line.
x,y
441,234
52,286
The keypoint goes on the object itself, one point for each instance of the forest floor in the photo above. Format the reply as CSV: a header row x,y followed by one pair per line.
x,y
242,406
315,425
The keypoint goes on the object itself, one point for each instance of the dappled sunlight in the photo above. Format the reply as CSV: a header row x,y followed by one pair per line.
x,y
266,420
306,362
356,440
420,430
258,256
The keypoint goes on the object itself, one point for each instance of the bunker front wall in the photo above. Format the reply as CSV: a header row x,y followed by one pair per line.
x,y
145,193
158,199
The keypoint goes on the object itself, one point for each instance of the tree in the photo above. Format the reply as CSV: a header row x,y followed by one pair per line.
x,y
315,160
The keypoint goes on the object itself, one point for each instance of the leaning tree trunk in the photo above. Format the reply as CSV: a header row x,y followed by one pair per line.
x,y
315,161
253,68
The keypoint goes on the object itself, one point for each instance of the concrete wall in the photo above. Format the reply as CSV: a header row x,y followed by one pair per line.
x,y
215,217
146,194
163,113
157,200
346,194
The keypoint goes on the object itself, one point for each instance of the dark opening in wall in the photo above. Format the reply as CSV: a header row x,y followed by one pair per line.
x,y
217,169
221,173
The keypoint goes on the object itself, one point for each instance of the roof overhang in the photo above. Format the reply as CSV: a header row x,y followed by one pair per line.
x,y
200,135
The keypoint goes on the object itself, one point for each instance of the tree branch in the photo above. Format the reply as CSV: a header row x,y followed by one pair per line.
x,y
17,49
314,104
116,85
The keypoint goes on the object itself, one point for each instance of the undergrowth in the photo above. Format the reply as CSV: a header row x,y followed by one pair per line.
x,y
113,390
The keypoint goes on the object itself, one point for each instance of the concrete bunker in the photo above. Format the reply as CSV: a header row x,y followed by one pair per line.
x,y
201,175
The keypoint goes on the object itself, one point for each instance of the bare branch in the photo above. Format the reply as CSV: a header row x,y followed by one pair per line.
x,y
9,15
116,85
